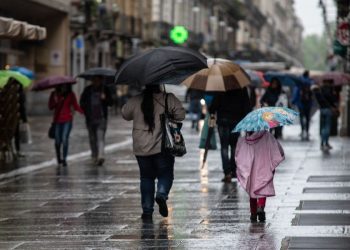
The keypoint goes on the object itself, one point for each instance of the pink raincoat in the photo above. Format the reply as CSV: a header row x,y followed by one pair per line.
x,y
257,156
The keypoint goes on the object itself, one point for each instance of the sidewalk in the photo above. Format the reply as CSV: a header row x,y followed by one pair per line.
x,y
89,207
41,152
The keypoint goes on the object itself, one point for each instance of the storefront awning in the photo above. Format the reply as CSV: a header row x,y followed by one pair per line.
x,y
11,28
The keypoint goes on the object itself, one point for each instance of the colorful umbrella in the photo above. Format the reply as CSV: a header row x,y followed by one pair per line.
x,y
22,79
266,118
257,78
52,82
222,75
338,78
24,71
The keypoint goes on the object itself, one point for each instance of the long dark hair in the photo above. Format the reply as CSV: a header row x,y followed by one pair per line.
x,y
147,105
64,90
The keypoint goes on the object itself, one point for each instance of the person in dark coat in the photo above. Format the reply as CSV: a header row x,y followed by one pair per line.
x,y
302,98
23,117
327,102
230,107
95,100
270,99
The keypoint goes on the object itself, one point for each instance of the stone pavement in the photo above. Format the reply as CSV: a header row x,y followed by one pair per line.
x,y
88,207
42,149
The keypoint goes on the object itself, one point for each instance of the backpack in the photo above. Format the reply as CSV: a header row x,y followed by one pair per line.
x,y
305,94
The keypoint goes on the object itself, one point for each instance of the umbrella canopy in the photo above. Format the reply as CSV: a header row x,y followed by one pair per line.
x,y
104,72
284,78
24,71
164,65
338,78
222,75
257,78
22,79
52,82
266,118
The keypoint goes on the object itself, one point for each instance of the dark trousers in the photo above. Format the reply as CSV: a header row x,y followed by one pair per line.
x,y
277,132
62,131
305,113
97,132
326,124
160,166
228,141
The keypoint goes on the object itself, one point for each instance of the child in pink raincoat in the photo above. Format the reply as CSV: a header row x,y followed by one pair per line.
x,y
257,156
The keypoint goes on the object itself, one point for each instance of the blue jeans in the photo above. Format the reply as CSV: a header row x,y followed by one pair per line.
x,y
326,123
62,131
160,166
228,141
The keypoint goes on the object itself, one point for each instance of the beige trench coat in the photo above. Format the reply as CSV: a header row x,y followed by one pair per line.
x,y
144,142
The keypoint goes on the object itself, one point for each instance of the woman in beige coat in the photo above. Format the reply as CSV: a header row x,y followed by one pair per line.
x,y
145,110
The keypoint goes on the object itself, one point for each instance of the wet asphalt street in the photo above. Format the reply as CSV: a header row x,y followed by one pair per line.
x,y
88,207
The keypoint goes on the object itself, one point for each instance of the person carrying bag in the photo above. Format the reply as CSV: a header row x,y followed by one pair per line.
x,y
62,101
172,142
151,113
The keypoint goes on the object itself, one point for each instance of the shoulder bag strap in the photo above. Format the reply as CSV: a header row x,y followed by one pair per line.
x,y
166,104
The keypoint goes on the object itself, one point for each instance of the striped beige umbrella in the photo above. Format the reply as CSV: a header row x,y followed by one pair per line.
x,y
222,75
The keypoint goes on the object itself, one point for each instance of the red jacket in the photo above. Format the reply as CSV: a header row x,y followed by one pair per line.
x,y
63,107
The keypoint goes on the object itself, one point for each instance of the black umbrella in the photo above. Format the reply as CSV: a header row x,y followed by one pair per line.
x,y
165,65
108,74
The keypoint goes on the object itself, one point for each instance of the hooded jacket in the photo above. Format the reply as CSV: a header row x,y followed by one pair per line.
x,y
257,156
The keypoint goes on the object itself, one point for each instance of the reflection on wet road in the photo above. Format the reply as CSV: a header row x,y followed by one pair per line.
x,y
88,207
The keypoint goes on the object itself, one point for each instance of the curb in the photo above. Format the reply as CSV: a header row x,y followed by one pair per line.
x,y
74,157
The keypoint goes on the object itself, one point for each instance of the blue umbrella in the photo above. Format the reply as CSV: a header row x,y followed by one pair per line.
x,y
284,78
24,71
266,118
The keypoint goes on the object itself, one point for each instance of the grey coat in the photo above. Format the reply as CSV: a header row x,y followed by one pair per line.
x,y
145,142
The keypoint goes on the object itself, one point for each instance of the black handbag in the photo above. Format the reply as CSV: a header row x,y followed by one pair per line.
x,y
51,133
172,140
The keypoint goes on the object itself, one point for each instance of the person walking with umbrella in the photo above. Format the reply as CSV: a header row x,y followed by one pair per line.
x,y
302,98
270,98
230,108
327,102
259,153
23,117
154,67
62,101
145,111
227,82
95,101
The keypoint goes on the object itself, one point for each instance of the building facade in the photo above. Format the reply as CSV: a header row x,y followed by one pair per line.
x,y
102,33
271,31
47,56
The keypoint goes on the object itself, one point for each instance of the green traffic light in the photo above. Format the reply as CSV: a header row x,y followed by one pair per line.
x,y
179,34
